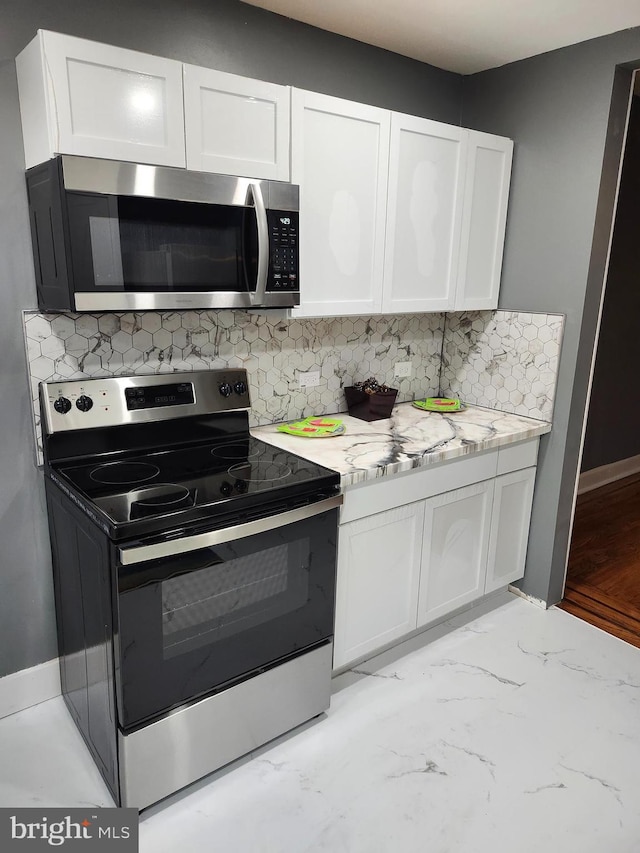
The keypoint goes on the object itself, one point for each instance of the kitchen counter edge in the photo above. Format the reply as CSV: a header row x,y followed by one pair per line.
x,y
409,440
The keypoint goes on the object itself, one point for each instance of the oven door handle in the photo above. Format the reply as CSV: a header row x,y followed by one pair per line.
x,y
144,553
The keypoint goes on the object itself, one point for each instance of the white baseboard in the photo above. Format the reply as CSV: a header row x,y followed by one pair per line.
x,y
530,598
608,474
20,690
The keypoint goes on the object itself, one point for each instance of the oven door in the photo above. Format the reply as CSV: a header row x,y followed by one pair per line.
x,y
203,612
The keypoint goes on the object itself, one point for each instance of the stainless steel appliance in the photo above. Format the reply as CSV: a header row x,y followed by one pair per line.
x,y
110,236
194,573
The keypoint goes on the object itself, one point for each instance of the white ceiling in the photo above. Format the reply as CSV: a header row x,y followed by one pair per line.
x,y
463,35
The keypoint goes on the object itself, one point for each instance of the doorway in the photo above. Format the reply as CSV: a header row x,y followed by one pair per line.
x,y
603,573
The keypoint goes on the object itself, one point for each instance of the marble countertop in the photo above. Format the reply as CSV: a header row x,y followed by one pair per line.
x,y
409,439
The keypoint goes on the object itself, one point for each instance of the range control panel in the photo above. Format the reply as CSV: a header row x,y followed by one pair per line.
x,y
283,242
120,400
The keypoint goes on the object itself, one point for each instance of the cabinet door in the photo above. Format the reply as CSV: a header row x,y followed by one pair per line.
x,y
339,156
454,554
427,162
512,501
235,125
377,586
484,221
81,97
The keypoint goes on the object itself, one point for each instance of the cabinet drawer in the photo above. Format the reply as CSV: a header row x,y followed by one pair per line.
x,y
368,498
513,457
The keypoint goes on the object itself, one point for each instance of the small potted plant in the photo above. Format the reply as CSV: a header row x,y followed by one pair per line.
x,y
370,400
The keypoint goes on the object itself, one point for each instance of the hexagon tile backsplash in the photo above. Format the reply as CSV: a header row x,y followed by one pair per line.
x,y
506,360
274,352
503,360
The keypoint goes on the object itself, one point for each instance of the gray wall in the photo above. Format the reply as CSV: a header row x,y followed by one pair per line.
x,y
556,107
223,34
614,397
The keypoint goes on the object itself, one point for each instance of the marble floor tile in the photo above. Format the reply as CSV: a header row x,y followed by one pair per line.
x,y
507,728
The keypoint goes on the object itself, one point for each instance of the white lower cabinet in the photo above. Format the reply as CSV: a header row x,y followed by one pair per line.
x,y
454,551
378,576
512,499
404,567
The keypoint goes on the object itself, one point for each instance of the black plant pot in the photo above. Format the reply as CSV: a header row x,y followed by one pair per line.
x,y
370,407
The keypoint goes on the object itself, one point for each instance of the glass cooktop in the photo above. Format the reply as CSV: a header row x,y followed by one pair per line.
x,y
228,476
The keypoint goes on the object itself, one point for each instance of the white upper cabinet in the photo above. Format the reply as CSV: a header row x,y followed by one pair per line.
x,y
427,162
81,97
398,214
339,156
485,215
235,125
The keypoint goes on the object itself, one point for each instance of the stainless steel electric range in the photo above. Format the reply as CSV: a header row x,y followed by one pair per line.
x,y
194,570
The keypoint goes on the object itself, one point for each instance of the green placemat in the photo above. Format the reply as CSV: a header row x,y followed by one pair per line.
x,y
440,404
314,427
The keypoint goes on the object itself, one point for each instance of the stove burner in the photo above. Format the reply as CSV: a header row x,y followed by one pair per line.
x,y
233,450
164,494
159,499
259,472
124,473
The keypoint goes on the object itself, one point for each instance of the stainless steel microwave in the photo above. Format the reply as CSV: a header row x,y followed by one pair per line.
x,y
110,236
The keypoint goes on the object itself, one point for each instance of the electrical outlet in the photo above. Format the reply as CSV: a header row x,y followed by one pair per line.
x,y
402,368
309,379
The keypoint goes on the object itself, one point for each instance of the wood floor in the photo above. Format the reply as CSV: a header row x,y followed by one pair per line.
x,y
603,578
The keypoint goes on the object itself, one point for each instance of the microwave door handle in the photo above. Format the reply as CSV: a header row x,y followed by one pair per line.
x,y
257,297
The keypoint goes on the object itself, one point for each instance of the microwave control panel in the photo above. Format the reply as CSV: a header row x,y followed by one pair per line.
x,y
283,242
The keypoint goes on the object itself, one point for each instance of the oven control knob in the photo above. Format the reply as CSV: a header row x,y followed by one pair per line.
x,y
62,405
241,486
226,489
84,403
240,387
225,389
